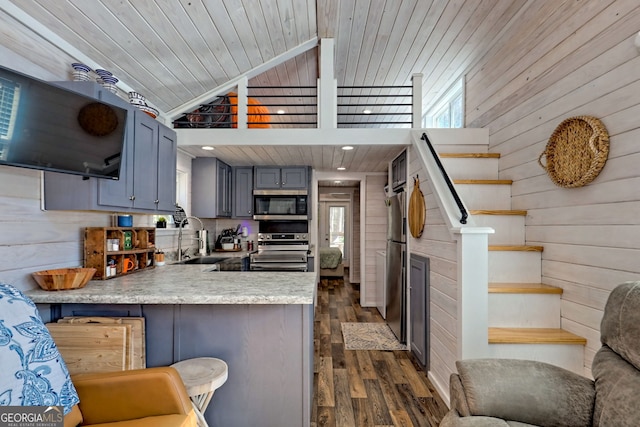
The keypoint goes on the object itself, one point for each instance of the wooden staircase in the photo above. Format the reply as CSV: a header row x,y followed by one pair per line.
x,y
524,314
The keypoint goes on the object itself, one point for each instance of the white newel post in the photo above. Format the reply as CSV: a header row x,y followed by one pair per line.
x,y
242,103
327,87
416,99
473,292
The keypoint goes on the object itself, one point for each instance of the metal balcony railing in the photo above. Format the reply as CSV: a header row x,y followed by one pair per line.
x,y
297,107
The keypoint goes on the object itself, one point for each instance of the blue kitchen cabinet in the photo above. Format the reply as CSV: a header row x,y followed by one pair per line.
x,y
243,192
419,301
291,177
210,188
147,181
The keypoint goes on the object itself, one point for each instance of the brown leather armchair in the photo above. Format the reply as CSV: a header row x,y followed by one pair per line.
x,y
153,397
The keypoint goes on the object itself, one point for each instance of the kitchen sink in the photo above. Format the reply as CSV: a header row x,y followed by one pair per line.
x,y
202,260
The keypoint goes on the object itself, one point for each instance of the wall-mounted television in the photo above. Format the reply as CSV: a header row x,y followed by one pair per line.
x,y
46,127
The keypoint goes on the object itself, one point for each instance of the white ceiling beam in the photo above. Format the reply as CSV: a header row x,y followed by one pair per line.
x,y
231,84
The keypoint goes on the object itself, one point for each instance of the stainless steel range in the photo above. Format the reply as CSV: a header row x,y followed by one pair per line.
x,y
280,250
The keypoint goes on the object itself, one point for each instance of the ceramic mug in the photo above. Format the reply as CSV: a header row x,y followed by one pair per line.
x,y
128,265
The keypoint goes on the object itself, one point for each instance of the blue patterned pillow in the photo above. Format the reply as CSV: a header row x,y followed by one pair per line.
x,y
33,372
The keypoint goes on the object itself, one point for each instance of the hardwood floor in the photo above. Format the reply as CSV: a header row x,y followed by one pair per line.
x,y
364,388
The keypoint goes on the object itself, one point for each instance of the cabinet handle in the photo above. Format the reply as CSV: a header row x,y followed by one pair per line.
x,y
156,201
132,198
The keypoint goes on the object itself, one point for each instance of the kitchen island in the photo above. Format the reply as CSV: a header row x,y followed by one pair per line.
x,y
260,323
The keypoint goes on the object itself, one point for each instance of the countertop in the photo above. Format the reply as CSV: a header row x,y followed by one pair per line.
x,y
190,284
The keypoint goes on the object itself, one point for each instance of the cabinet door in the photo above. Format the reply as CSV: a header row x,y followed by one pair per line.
x,y
223,190
399,170
419,297
267,178
120,193
167,158
145,171
294,177
242,192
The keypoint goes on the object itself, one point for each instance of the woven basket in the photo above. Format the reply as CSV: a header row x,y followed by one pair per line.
x,y
576,152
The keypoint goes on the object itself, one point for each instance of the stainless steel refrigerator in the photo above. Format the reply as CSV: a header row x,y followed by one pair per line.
x,y
396,266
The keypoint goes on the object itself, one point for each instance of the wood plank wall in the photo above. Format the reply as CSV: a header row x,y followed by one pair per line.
x,y
437,244
375,229
559,60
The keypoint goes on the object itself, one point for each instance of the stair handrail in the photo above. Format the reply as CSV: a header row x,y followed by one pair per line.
x,y
463,211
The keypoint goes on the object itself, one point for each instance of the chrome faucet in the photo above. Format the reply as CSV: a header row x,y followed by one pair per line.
x,y
201,242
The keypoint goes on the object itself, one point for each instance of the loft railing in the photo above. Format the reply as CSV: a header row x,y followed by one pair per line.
x,y
463,211
364,106
297,106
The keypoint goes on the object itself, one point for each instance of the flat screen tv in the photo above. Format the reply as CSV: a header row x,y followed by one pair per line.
x,y
46,127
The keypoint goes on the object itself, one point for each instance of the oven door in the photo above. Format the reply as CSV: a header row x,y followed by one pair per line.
x,y
279,257
278,266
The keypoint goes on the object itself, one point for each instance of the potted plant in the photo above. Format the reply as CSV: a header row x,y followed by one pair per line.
x,y
161,222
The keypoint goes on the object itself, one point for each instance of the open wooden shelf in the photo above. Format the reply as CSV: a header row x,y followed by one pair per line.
x,y
97,255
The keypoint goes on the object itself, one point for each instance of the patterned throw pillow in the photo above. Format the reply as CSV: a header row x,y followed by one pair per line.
x,y
33,372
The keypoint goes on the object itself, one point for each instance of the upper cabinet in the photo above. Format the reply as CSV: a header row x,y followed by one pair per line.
x,y
399,171
210,188
150,182
147,181
291,177
242,192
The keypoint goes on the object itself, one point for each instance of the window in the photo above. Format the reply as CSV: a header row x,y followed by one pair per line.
x,y
448,111
336,227
9,95
182,191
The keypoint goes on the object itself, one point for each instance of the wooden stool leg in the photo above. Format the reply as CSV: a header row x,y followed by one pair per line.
x,y
201,421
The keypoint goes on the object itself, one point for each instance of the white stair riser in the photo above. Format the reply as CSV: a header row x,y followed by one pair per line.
x,y
524,310
509,229
567,356
515,266
485,196
464,168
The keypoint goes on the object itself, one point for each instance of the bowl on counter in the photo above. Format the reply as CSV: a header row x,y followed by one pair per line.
x,y
62,279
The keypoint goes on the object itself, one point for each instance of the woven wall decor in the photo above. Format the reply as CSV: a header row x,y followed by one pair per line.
x,y
576,152
97,119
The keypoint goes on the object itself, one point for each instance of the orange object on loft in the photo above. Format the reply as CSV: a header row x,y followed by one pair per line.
x,y
257,114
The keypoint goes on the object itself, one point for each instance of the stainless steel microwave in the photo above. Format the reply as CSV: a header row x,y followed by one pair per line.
x,y
272,205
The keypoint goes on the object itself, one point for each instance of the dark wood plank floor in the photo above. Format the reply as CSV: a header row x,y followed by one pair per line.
x,y
364,387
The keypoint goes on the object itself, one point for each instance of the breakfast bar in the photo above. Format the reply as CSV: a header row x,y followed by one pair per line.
x,y
259,323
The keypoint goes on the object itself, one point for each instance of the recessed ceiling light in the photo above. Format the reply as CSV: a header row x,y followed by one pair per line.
x,y
207,147
337,182
347,147
366,111
280,111
341,168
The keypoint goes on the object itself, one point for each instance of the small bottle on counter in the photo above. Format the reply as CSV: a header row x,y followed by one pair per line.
x,y
250,245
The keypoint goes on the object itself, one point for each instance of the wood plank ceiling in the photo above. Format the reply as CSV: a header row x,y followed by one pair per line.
x,y
181,53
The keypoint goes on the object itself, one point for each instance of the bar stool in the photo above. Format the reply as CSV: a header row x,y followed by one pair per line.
x,y
202,376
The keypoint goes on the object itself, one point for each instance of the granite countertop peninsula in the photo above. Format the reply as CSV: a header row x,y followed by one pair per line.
x,y
189,284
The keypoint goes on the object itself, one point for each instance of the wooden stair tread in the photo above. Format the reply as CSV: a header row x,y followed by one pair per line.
x,y
523,288
533,336
484,181
521,248
497,212
469,155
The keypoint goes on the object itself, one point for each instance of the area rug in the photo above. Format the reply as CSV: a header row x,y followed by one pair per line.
x,y
369,336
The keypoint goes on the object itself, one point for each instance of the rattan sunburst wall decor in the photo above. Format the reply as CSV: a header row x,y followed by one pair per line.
x,y
576,152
